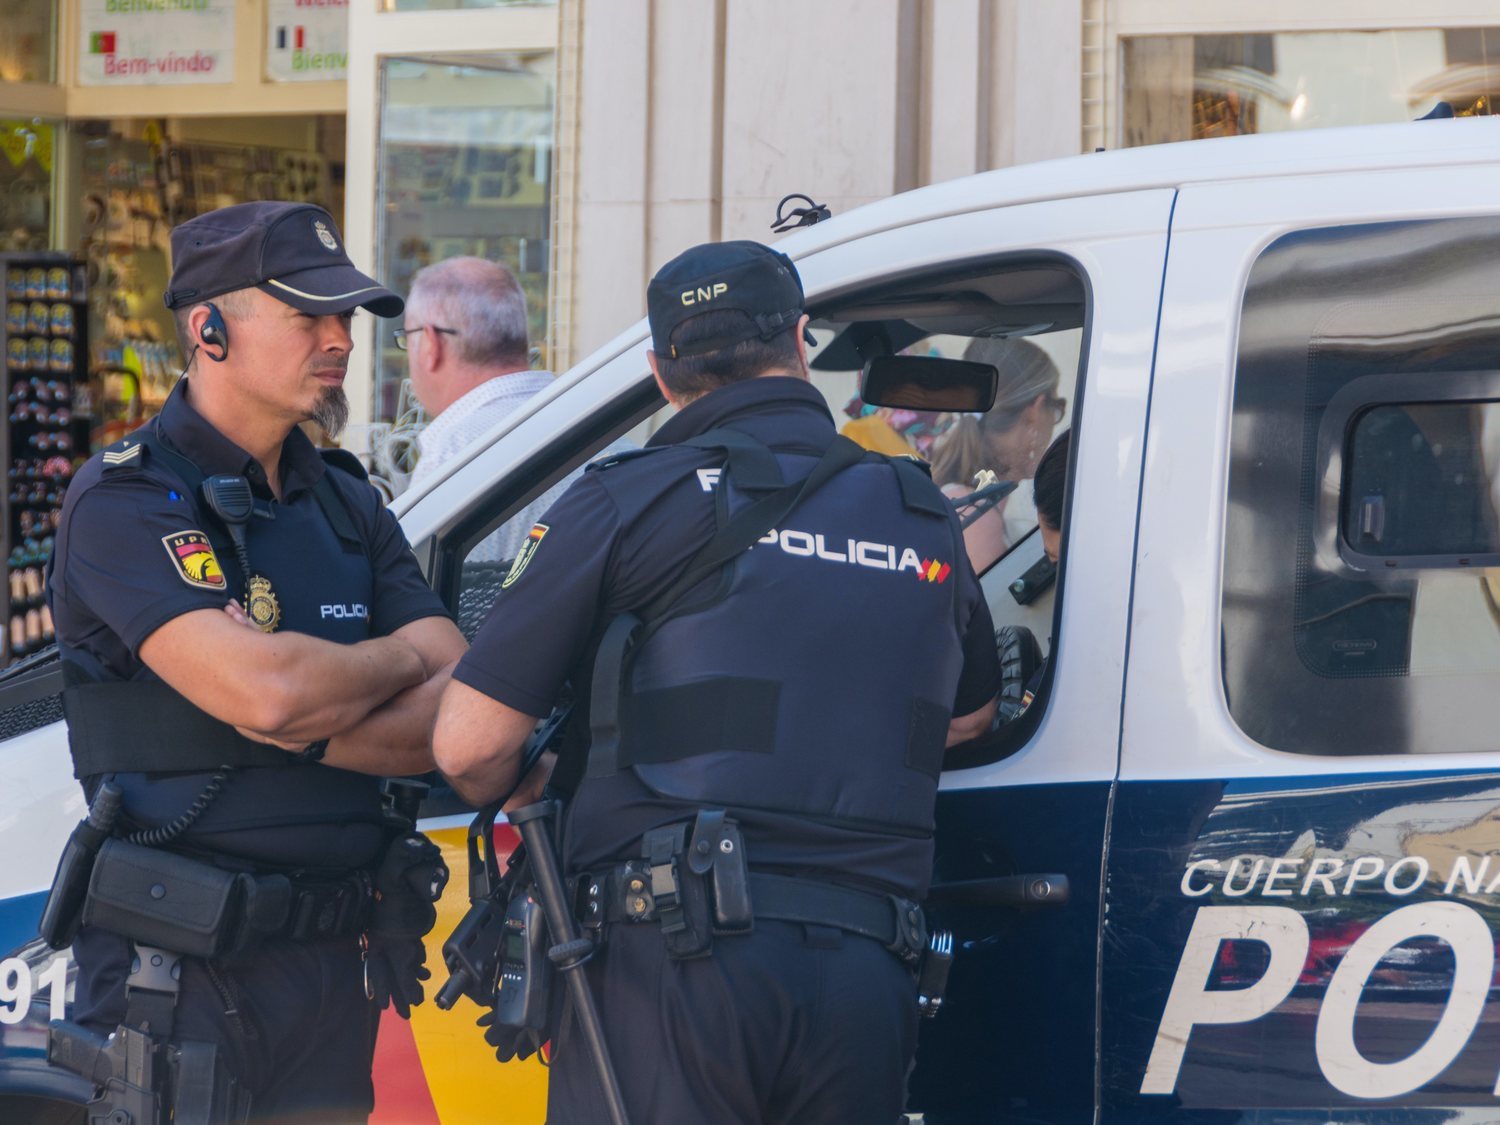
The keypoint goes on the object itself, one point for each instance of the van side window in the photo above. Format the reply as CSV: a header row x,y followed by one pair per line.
x,y
1027,318
1361,613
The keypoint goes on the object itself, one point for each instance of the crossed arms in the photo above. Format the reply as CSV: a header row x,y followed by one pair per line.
x,y
374,700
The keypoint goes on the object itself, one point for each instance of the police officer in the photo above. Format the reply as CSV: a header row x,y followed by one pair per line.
x,y
244,677
752,785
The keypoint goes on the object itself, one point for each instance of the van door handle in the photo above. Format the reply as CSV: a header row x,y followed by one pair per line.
x,y
1005,890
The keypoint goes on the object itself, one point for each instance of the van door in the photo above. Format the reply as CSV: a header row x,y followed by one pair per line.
x,y
1020,828
1300,915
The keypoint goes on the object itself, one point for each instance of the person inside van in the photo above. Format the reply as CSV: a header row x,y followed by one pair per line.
x,y
1047,490
1008,440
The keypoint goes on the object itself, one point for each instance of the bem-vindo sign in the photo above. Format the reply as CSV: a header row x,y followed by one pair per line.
x,y
155,42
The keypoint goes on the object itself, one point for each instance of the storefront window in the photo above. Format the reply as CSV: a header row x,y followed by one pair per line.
x,y
26,184
136,180
28,40
1184,87
465,168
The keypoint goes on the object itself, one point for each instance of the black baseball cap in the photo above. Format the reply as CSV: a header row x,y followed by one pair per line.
x,y
743,277
290,250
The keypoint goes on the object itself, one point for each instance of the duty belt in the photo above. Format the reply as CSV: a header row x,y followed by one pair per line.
x,y
161,898
295,904
626,893
318,910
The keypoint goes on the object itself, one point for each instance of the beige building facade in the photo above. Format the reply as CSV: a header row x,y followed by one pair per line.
x,y
585,142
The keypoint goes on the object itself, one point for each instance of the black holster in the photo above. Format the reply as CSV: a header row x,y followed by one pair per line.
x,y
140,1074
142,1081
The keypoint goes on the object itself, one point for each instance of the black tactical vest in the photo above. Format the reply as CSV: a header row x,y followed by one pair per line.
x,y
817,676
162,748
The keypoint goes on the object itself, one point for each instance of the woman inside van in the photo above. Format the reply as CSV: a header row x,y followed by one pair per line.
x,y
1007,441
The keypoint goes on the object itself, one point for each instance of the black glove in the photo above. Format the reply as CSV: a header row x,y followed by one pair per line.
x,y
509,1042
409,880
394,971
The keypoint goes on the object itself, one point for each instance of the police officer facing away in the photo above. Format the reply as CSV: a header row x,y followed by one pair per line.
x,y
751,813
245,683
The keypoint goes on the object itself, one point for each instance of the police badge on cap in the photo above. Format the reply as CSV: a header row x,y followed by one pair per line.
x,y
291,251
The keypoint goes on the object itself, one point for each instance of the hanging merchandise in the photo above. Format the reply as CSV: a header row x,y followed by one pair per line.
x,y
26,163
49,406
125,239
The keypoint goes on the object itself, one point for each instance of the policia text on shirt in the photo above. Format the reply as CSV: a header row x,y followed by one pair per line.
x,y
241,905
752,788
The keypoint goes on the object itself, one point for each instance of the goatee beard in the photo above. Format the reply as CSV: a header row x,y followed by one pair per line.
x,y
332,411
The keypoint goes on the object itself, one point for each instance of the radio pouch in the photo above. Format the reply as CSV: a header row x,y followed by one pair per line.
x,y
158,898
679,892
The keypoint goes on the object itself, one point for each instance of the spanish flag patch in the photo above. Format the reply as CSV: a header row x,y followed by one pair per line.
x,y
523,556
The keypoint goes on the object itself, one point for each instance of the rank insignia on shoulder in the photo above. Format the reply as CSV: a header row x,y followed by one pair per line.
x,y
523,556
124,455
193,556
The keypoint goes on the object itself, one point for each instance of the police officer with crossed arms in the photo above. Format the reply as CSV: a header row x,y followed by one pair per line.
x,y
788,635
249,645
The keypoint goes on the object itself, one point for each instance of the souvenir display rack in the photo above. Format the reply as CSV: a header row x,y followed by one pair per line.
x,y
48,404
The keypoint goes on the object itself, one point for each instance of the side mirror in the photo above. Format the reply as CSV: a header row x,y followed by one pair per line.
x,y
922,382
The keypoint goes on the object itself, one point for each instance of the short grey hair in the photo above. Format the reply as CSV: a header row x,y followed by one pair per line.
x,y
482,301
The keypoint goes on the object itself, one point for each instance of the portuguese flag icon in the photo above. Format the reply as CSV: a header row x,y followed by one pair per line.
x,y
102,43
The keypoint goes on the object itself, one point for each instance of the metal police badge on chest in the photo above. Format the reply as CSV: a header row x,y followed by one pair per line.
x,y
523,556
193,556
261,605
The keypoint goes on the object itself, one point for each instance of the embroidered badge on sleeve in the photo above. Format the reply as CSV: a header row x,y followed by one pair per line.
x,y
193,556
523,556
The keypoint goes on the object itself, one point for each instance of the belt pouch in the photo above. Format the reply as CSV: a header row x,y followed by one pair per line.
x,y
158,898
733,913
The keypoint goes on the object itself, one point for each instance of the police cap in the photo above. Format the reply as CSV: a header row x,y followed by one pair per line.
x,y
744,277
291,251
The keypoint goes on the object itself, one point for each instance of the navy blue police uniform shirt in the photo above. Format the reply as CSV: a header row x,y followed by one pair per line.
x,y
132,555
621,536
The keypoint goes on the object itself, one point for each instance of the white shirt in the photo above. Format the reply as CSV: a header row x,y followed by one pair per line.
x,y
466,419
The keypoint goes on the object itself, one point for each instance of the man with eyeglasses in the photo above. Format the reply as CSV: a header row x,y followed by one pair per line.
x,y
469,361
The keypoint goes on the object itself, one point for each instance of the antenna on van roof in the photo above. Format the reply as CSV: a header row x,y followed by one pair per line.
x,y
1438,112
799,216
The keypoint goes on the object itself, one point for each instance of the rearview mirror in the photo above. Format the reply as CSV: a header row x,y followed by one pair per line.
x,y
924,382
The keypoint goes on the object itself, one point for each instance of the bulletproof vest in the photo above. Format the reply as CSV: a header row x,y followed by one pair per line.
x,y
817,674
320,572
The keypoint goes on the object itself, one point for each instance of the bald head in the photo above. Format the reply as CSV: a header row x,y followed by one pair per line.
x,y
482,302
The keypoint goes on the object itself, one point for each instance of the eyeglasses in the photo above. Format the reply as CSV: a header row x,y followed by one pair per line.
x,y
1059,407
402,334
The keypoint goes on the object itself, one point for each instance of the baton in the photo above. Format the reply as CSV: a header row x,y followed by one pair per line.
x,y
571,951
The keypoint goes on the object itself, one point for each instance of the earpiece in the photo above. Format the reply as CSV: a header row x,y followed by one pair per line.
x,y
215,334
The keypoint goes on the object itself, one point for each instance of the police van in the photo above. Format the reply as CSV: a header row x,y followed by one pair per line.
x,y
1234,855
